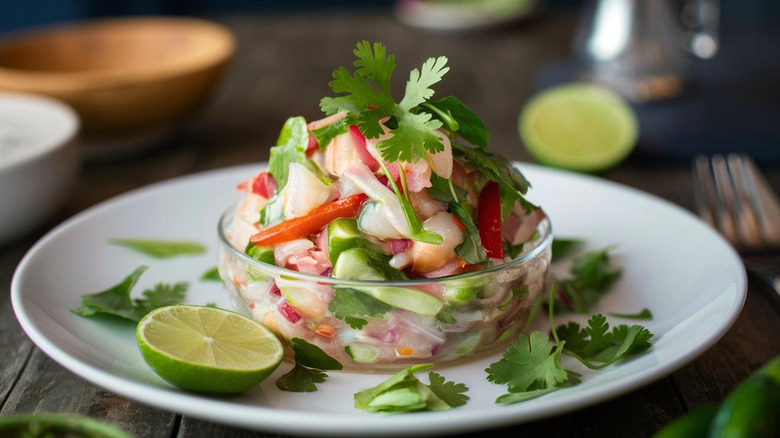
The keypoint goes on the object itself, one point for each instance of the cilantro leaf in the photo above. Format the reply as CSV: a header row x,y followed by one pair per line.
x,y
161,249
160,296
290,148
466,123
450,392
310,355
511,181
116,300
643,314
563,246
592,277
403,392
300,379
595,343
367,95
326,134
350,305
310,361
529,364
211,275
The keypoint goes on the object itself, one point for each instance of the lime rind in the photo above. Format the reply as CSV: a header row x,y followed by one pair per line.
x,y
241,354
580,127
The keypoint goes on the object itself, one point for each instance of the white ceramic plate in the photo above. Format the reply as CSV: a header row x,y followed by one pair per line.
x,y
674,265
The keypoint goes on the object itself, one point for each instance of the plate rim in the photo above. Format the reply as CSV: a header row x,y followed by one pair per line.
x,y
326,423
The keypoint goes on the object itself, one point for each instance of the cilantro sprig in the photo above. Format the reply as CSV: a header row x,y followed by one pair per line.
x,y
531,367
592,275
116,301
310,366
403,392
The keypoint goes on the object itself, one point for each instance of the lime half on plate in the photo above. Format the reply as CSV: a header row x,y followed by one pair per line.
x,y
205,349
579,127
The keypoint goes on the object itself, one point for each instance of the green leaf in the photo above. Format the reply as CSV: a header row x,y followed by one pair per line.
x,y
529,364
290,148
471,249
592,277
211,275
162,249
116,300
403,392
310,355
300,379
326,134
450,392
160,296
517,397
595,343
350,305
562,246
645,314
467,124
511,182
367,95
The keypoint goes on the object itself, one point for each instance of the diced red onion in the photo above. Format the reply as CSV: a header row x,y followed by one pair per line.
x,y
289,313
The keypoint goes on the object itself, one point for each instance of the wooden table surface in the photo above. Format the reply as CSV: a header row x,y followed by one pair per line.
x,y
282,67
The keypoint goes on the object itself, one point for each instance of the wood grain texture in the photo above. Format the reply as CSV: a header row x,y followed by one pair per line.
x,y
281,68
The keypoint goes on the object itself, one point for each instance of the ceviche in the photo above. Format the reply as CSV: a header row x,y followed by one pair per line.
x,y
386,233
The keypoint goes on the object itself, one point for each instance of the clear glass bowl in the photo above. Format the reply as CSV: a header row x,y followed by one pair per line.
x,y
437,320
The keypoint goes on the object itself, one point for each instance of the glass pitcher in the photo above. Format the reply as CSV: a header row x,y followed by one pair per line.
x,y
642,48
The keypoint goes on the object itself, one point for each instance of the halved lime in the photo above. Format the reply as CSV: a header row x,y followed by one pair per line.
x,y
206,349
579,127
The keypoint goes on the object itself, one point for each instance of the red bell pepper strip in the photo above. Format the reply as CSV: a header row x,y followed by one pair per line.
x,y
313,222
489,220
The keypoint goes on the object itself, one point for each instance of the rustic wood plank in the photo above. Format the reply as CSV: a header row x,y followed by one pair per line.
x,y
15,347
44,386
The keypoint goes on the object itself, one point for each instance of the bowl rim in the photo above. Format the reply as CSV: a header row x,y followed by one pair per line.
x,y
91,79
44,103
544,242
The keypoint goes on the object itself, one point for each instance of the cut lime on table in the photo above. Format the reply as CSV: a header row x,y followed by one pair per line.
x,y
579,127
205,349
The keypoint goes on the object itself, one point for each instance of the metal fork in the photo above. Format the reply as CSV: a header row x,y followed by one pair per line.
x,y
735,199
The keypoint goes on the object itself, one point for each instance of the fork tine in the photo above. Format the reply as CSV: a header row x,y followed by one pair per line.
x,y
725,204
764,201
745,203
703,189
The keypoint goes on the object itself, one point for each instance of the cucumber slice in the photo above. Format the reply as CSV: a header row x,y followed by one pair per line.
x,y
343,234
362,353
360,264
263,254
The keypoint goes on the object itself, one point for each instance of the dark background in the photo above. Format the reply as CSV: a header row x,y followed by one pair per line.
x,y
16,14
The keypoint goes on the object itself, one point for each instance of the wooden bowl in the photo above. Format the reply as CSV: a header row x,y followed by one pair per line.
x,y
123,76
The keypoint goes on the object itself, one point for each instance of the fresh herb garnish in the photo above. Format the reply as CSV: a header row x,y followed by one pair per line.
x,y
511,182
116,300
458,118
301,379
310,364
403,392
368,96
162,249
414,123
644,314
595,343
592,277
211,275
353,306
562,246
290,148
532,367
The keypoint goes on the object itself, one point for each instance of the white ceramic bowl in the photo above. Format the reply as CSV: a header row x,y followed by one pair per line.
x,y
38,160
